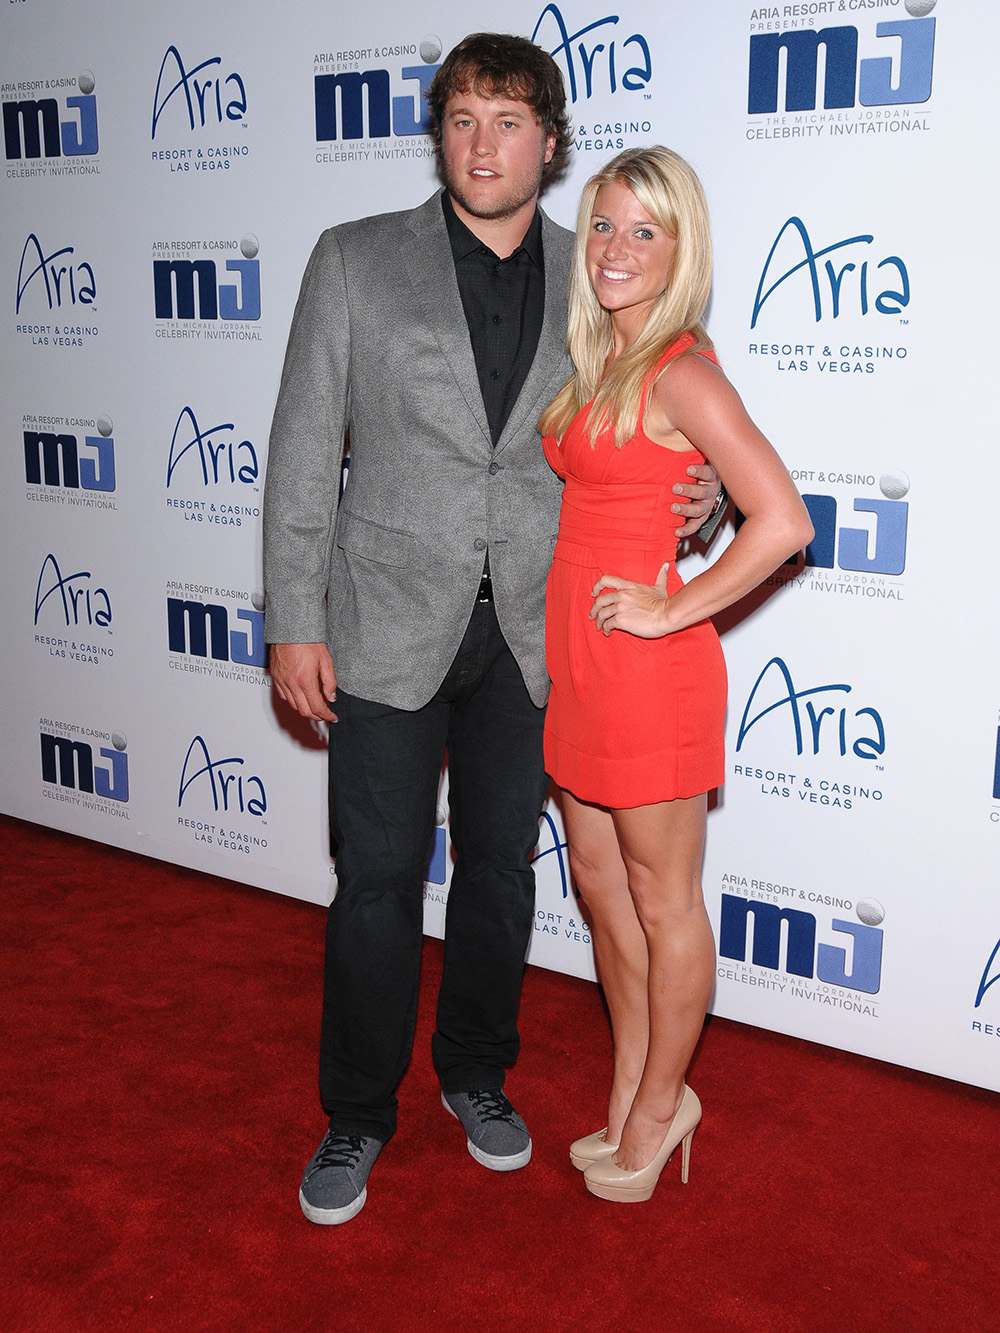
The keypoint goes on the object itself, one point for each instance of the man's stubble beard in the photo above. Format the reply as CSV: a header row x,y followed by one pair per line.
x,y
520,192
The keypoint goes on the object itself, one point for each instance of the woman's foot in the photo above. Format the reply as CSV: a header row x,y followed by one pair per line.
x,y
623,1090
608,1180
643,1133
593,1148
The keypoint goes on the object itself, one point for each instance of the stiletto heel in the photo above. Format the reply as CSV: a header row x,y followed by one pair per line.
x,y
609,1181
594,1148
686,1157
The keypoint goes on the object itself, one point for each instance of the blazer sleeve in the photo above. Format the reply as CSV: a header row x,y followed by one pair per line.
x,y
305,452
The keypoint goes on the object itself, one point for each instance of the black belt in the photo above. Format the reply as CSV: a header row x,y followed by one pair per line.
x,y
485,593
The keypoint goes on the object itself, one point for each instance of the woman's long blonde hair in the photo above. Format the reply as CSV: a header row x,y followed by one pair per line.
x,y
668,188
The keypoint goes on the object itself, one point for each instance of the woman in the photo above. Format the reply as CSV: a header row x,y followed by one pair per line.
x,y
634,731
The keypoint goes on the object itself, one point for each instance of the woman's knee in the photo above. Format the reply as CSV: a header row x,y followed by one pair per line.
x,y
666,904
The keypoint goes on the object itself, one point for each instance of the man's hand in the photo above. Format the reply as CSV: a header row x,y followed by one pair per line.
x,y
702,492
303,675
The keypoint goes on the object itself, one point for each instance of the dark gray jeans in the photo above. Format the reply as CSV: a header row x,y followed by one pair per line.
x,y
385,765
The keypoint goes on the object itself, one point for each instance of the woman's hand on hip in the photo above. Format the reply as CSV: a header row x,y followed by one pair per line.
x,y
636,608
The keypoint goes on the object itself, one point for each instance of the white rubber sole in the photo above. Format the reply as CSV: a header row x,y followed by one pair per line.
x,y
514,1162
332,1217
499,1163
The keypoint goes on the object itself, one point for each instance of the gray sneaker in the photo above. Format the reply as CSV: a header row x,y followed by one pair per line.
x,y
335,1183
496,1136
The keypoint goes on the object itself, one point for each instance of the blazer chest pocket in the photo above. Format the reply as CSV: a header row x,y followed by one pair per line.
x,y
386,546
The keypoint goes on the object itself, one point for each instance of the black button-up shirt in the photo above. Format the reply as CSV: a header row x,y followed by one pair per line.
x,y
504,301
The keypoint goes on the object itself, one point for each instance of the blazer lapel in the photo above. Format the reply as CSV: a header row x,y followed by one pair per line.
x,y
537,389
428,258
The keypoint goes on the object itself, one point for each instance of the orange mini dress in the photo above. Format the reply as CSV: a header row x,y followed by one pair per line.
x,y
630,721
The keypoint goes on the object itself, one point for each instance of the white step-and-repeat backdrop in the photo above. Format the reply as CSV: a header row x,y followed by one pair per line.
x,y
166,171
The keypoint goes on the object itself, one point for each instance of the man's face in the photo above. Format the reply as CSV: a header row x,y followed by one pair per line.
x,y
494,151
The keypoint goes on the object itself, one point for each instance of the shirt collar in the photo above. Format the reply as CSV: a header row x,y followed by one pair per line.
x,y
464,242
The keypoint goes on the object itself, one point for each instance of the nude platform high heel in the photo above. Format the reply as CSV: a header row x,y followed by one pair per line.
x,y
593,1148
608,1181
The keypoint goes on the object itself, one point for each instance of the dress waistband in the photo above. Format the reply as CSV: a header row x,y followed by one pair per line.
x,y
606,517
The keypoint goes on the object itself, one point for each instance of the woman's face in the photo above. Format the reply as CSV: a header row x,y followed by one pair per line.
x,y
629,256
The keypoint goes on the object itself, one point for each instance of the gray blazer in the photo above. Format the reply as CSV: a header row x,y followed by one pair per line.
x,y
379,347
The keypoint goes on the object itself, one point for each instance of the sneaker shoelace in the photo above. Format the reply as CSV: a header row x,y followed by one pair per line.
x,y
339,1150
492,1105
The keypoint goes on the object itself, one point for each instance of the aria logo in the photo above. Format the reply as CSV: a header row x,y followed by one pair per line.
x,y
37,127
597,57
823,728
71,764
56,460
198,97
990,976
58,278
898,79
854,281
223,782
76,602
188,289
556,850
210,455
341,99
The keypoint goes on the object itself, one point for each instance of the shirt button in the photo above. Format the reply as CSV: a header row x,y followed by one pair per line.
x,y
494,468
479,544
496,319
494,374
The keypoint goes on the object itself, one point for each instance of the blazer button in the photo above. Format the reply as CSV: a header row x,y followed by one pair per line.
x,y
494,468
479,544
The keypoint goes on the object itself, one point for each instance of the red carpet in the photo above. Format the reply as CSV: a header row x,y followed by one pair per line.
x,y
157,1091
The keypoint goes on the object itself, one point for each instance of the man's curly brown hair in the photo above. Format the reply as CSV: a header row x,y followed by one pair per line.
x,y
495,64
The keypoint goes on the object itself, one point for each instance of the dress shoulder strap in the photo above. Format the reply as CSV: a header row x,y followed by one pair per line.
x,y
676,348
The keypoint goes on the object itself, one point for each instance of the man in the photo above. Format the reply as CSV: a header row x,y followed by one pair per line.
x,y
436,336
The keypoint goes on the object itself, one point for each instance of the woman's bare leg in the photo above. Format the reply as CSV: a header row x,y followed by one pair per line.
x,y
661,847
619,945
